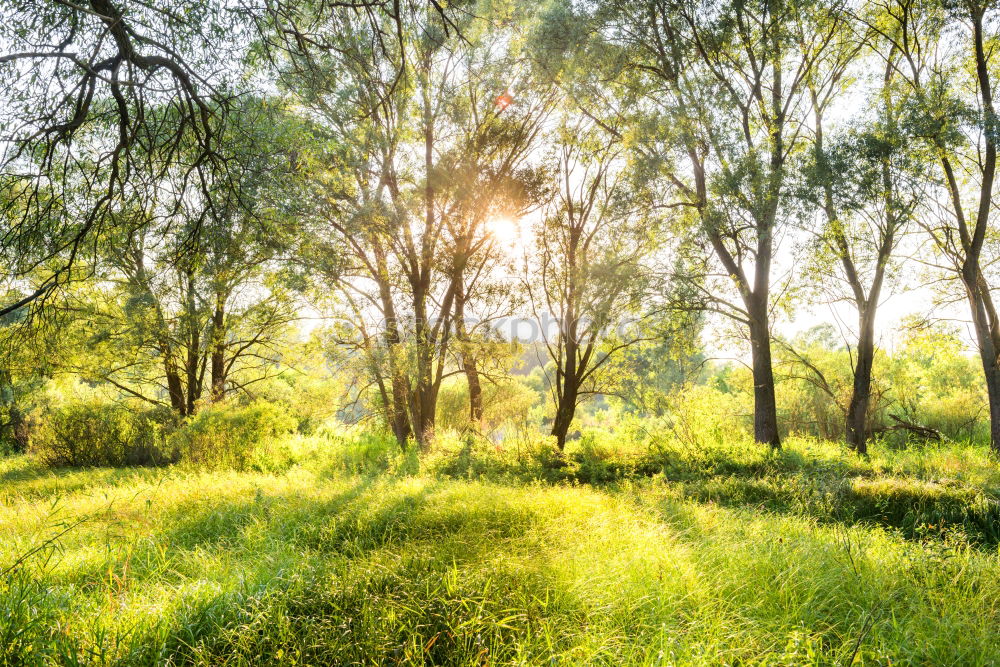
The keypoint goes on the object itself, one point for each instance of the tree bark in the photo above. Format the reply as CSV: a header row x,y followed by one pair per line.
x,y
468,359
175,388
218,361
475,389
397,400
423,404
423,401
987,328
992,371
857,409
565,411
568,375
765,406
193,347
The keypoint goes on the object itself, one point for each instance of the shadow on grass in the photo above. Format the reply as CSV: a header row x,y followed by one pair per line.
x,y
34,480
383,574
786,482
913,508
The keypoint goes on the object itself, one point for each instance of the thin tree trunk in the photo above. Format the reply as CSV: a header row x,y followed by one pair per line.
x,y
193,347
423,402
567,377
475,389
468,359
396,411
987,329
218,361
421,406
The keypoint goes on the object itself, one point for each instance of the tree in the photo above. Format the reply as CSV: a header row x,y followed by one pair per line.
x,y
721,92
423,157
100,101
590,272
194,293
942,57
862,181
99,97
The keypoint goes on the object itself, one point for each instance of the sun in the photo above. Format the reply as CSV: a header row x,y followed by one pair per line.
x,y
505,230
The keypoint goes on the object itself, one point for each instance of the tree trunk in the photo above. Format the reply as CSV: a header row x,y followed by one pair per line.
x,y
218,361
175,388
396,412
468,359
564,417
191,371
986,326
475,389
857,409
567,391
992,371
398,419
193,345
424,402
765,407
423,405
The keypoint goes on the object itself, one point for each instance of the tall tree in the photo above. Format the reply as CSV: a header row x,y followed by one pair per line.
x,y
862,182
422,153
943,57
590,271
717,96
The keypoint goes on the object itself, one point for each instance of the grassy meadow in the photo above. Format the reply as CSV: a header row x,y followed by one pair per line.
x,y
499,332
346,551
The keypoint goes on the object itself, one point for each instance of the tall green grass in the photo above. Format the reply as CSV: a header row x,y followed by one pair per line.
x,y
360,554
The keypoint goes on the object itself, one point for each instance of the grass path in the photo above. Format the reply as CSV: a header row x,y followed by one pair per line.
x,y
316,568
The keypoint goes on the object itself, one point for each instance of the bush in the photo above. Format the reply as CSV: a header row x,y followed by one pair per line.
x,y
704,416
357,451
97,433
240,437
505,404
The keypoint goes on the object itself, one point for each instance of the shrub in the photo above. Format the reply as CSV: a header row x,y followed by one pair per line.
x,y
359,451
240,437
702,416
97,433
506,404
310,399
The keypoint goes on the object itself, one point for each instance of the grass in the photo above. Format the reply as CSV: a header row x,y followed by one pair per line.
x,y
359,555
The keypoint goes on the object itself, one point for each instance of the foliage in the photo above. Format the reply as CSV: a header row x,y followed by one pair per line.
x,y
240,437
98,433
187,188
929,380
506,405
